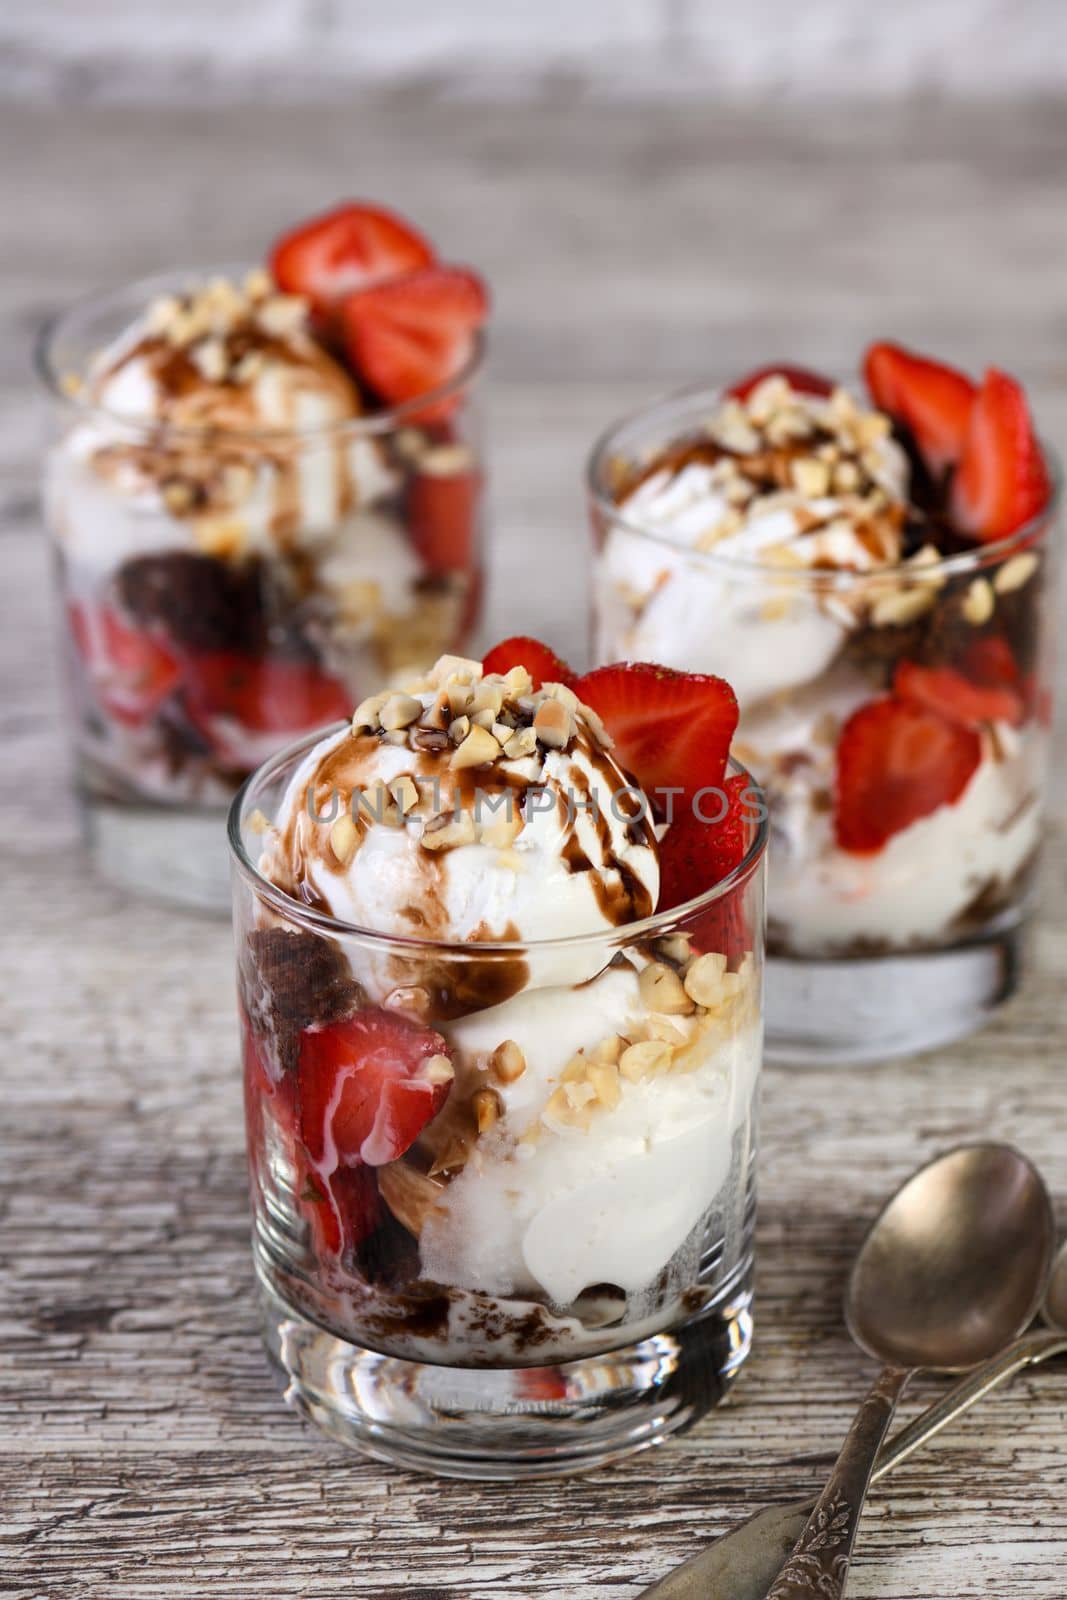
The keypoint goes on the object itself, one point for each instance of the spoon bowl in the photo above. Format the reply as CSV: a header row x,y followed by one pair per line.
x,y
955,1265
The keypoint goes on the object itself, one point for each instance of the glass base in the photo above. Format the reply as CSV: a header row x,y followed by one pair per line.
x,y
510,1423
170,854
866,1010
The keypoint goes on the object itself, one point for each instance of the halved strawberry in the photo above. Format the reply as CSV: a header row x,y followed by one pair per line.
x,y
133,671
695,855
933,401
412,334
896,763
540,661
956,697
802,379
442,513
1002,480
368,1086
672,730
988,660
342,1210
266,694
349,248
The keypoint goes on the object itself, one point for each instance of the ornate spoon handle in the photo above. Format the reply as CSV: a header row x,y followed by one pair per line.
x,y
818,1565
741,1564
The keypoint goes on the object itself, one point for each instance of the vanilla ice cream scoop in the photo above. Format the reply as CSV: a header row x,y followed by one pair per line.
x,y
781,482
224,357
220,416
468,808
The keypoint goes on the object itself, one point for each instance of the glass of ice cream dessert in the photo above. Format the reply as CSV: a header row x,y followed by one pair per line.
x,y
875,576
264,494
500,950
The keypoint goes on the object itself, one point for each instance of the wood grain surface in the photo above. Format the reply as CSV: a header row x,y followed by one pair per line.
x,y
144,1451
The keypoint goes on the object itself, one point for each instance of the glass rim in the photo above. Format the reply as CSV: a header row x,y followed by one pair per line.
x,y
656,926
148,287
815,577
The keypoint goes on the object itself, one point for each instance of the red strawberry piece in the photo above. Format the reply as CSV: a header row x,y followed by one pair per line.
x,y
442,513
414,333
540,661
695,855
672,730
988,660
802,379
956,697
1002,480
133,670
263,693
933,401
342,1210
541,1383
896,763
349,248
367,1087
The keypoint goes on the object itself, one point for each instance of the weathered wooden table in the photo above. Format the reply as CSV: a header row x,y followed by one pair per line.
x,y
145,1451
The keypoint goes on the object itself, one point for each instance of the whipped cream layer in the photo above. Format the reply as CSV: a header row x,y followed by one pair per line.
x,y
827,900
457,840
928,876
777,488
563,1198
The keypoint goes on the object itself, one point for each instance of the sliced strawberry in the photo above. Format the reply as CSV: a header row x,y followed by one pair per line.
x,y
541,1383
896,763
945,690
540,661
349,248
988,660
342,1210
412,334
366,1087
263,693
1002,480
133,670
695,855
672,730
933,401
802,379
443,511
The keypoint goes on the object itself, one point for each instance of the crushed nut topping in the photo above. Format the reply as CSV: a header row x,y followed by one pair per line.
x,y
507,1062
487,1108
825,459
1016,571
978,603
717,1002
662,990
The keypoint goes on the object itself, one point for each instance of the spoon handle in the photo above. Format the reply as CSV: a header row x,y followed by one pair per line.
x,y
818,1565
1025,1352
741,1565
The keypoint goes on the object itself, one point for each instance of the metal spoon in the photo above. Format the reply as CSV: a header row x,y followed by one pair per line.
x,y
994,1191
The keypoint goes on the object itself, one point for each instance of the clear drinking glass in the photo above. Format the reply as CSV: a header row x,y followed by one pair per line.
x,y
559,1270
869,955
225,589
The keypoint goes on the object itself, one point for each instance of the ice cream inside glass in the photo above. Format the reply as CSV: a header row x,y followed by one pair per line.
x,y
500,1101
249,538
875,577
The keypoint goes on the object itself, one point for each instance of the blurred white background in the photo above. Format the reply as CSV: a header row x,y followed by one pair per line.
x,y
189,50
